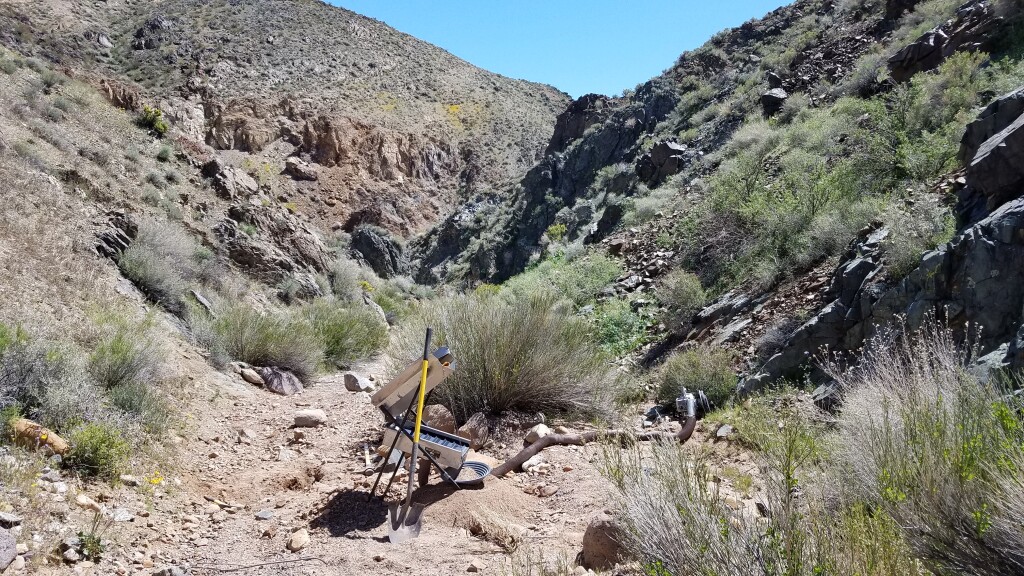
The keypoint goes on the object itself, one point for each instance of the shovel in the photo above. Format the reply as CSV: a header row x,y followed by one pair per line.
x,y
405,518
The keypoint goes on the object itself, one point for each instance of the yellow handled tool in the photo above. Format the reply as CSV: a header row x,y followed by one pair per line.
x,y
405,519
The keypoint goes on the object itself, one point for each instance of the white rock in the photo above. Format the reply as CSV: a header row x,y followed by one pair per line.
x,y
310,418
252,377
537,432
356,383
299,540
87,503
534,462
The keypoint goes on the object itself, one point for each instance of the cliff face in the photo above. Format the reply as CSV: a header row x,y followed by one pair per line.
x,y
389,130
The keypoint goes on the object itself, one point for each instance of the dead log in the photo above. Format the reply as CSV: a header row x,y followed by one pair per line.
x,y
515,462
33,436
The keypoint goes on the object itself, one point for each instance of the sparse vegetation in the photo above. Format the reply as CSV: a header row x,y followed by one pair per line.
x,y
163,261
99,449
682,295
523,354
702,368
346,333
153,119
269,339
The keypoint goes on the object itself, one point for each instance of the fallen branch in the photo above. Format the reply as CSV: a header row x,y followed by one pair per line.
x,y
515,462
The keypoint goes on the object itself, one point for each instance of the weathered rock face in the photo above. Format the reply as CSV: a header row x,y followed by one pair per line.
x,y
379,251
664,160
229,182
295,247
969,31
581,114
996,174
993,119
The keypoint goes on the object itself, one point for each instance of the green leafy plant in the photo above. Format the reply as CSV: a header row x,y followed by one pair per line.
x,y
153,119
98,449
346,333
704,368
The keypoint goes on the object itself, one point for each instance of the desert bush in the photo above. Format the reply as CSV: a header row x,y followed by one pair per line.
x,y
346,333
142,401
774,338
938,450
675,520
98,449
268,339
48,385
619,328
702,368
578,280
127,353
8,66
912,234
163,260
153,119
682,295
164,154
514,353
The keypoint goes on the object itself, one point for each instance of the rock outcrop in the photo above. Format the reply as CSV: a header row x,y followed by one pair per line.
x,y
380,251
969,31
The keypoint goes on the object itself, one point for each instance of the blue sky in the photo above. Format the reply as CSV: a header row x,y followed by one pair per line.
x,y
578,46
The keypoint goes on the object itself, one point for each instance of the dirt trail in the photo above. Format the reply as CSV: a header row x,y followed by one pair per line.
x,y
246,454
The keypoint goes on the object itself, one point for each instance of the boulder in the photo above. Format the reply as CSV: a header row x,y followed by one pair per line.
x,y
772,101
229,182
310,418
475,430
8,549
438,417
665,159
381,252
996,175
609,218
995,118
280,381
299,169
774,80
356,383
601,548
252,377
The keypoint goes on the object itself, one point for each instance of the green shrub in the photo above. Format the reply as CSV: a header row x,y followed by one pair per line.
x,y
126,354
164,154
578,280
682,294
141,400
620,329
8,66
703,368
939,451
9,336
347,334
269,339
98,449
514,354
556,231
157,180
153,119
911,234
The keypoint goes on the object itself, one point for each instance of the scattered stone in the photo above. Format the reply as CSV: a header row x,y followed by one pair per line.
x,y
121,515
18,564
547,490
601,548
535,461
310,418
299,540
264,515
772,101
170,571
379,558
8,520
300,169
280,381
537,432
252,377
561,430
246,436
87,503
270,531
129,480
356,383
71,556
8,549
723,431
476,565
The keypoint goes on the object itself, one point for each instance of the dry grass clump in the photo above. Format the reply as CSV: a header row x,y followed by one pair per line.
x,y
706,368
682,293
675,520
939,451
347,333
163,261
268,339
520,353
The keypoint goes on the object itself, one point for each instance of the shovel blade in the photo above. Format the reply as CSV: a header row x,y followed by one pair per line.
x,y
405,522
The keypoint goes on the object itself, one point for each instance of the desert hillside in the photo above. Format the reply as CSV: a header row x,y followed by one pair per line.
x,y
762,315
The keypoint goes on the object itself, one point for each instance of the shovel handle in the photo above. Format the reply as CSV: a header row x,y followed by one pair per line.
x,y
423,387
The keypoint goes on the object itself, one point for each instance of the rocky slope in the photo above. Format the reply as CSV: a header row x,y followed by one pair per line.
x,y
345,120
